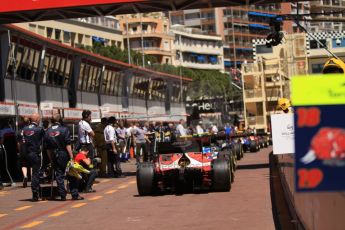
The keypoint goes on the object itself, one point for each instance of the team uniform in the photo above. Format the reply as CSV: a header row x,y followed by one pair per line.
x,y
84,129
114,161
56,139
89,178
32,136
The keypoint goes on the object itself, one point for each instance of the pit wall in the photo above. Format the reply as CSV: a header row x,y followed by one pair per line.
x,y
313,210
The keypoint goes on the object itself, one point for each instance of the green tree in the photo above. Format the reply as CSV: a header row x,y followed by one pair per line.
x,y
205,83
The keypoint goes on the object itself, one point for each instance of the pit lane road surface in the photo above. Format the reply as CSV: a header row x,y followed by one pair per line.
x,y
116,205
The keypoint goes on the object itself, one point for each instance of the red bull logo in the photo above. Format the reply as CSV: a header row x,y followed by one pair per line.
x,y
29,133
327,145
54,134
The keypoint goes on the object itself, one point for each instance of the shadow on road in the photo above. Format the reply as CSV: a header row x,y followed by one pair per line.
x,y
254,166
178,193
129,174
280,209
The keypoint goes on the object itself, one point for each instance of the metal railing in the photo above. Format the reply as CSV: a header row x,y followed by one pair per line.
x,y
253,93
256,120
250,68
272,93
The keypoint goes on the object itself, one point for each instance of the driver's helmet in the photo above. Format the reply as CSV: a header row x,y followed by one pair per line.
x,y
334,65
284,104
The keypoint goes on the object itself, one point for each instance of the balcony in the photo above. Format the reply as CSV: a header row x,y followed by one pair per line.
x,y
273,94
200,49
151,33
253,94
154,51
256,120
250,68
209,66
205,21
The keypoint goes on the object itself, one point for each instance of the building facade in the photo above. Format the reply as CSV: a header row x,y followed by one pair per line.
x,y
331,22
79,32
317,56
268,78
196,50
148,33
237,26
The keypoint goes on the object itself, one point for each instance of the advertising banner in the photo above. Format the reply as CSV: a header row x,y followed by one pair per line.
x,y
7,109
283,133
27,110
74,114
319,132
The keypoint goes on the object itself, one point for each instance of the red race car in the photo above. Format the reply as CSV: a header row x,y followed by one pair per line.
x,y
188,163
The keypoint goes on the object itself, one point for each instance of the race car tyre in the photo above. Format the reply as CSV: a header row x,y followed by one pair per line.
x,y
238,150
253,146
232,169
234,160
145,179
260,145
221,176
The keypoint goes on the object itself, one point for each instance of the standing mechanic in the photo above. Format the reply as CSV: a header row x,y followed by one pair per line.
x,y
85,133
58,143
32,141
113,155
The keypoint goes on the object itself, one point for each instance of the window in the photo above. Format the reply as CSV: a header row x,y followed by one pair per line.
x,y
66,36
27,60
145,26
58,35
177,20
192,16
49,32
57,69
112,83
261,49
89,77
315,45
316,68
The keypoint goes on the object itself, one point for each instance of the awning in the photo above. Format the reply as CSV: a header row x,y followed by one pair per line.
x,y
240,48
201,58
262,14
213,59
98,39
231,63
259,26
